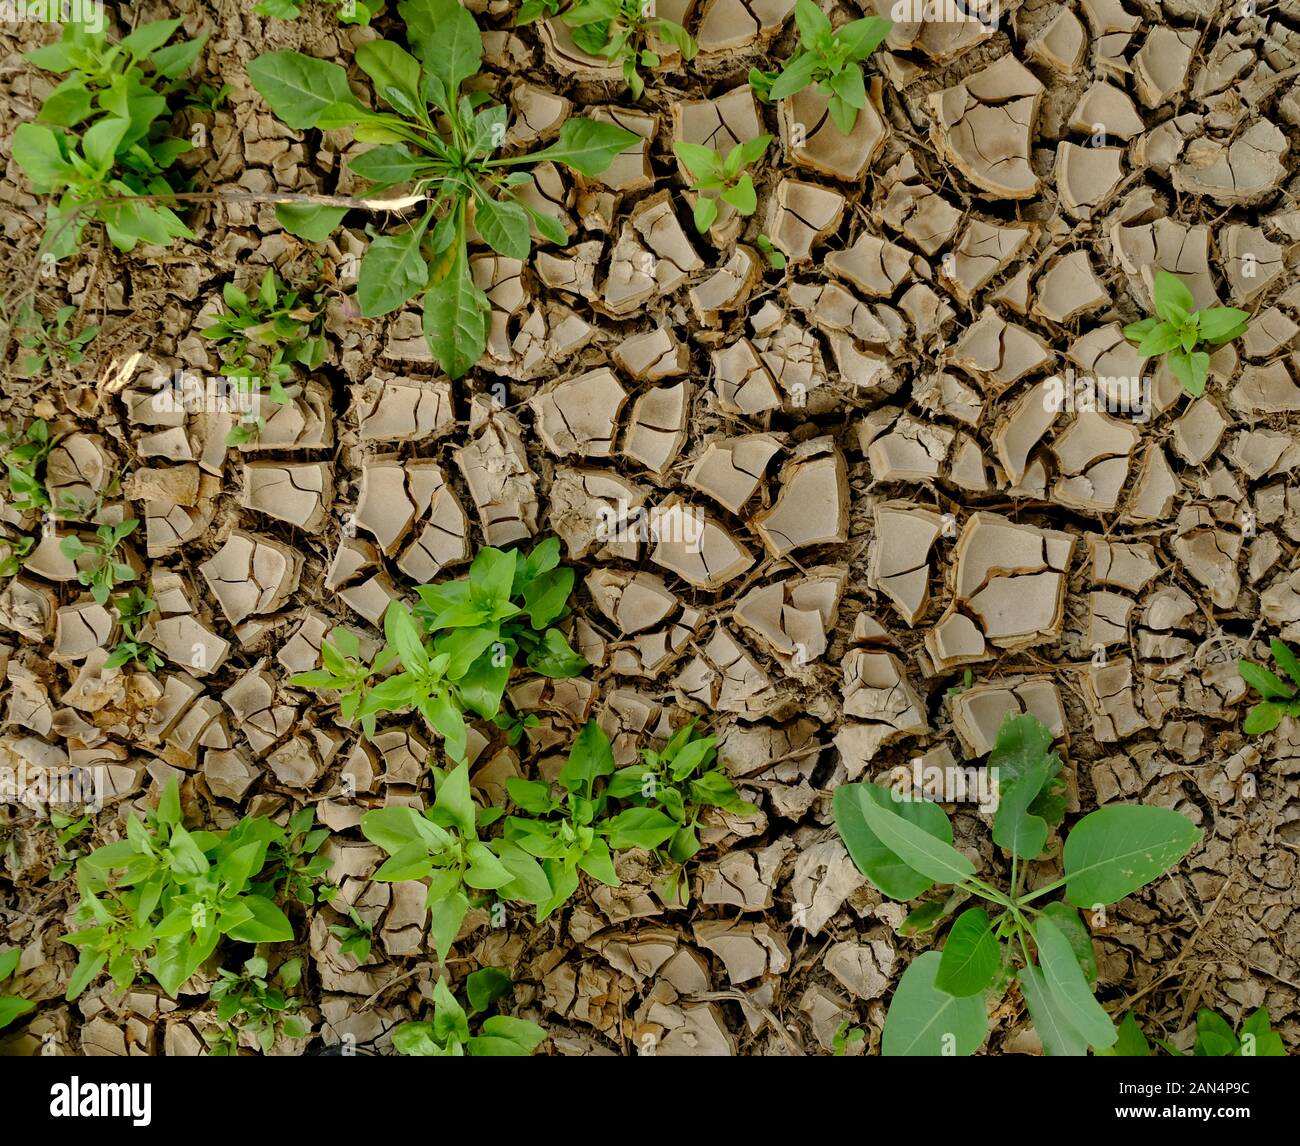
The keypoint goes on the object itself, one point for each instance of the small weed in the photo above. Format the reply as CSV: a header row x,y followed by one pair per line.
x,y
24,452
447,1034
11,1006
248,1001
103,572
717,178
1280,697
618,31
132,609
775,259
45,342
1215,1038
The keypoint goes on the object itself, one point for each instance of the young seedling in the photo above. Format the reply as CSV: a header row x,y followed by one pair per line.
x,y
445,144
132,609
261,339
682,780
293,870
442,844
715,178
830,58
447,1034
251,1001
515,724
775,259
103,572
13,552
1178,330
45,342
569,832
1281,698
847,1037
1215,1038
67,830
619,31
904,847
161,899
356,938
24,452
116,97
349,11
11,1006
967,679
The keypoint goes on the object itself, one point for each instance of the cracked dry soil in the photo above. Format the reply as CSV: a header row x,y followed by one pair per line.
x,y
888,498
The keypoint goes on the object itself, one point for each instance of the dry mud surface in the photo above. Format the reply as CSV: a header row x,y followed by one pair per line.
x,y
889,501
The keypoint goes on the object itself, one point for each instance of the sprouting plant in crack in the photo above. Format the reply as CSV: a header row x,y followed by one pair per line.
x,y
621,31
12,1006
13,552
955,690
100,141
1179,330
261,339
903,845
1215,1038
445,143
50,341
1280,698
832,58
349,11
255,1001
102,572
24,450
448,1033
846,1038
715,177
68,831
355,938
775,257
132,609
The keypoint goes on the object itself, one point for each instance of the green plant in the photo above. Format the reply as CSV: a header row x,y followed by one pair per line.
x,y
447,1034
24,452
293,869
1215,1038
356,938
66,830
46,343
714,177
260,340
103,572
13,551
515,724
11,1006
830,58
570,833
531,10
967,679
247,1001
132,609
350,11
206,97
775,259
904,846
161,899
442,844
451,161
1280,697
457,647
116,96
618,30
1178,329
846,1037
682,780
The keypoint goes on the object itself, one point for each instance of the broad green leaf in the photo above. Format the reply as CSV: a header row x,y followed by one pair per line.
x,y
1132,1043
590,758
874,859
298,88
1214,1037
1059,1038
393,270
705,212
1220,323
402,633
36,150
1170,288
1286,659
1069,988
485,986
310,222
9,961
1112,852
391,828
445,37
971,955
1268,685
796,76
12,1008
1076,931
445,917
504,226
268,923
742,196
586,146
925,1021
388,165
456,314
862,37
812,22
1158,340
395,74
148,37
455,799
914,845
1015,828
701,162
1258,1039
639,828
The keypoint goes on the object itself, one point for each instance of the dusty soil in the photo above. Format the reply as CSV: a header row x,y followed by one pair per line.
x,y
889,499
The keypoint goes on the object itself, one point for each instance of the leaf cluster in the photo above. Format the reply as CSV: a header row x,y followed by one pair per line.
x,y
349,11
11,1006
23,452
45,342
132,609
1281,697
99,568
620,31
715,177
448,1033
251,1000
1215,1038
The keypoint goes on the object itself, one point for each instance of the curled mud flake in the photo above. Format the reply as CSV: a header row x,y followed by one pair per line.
x,y
564,55
1108,694
984,250
748,950
395,409
730,469
732,25
795,617
728,288
631,169
573,271
724,677
546,338
250,575
695,546
296,492
875,266
831,307
740,879
719,123
170,524
229,774
1161,64
968,468
997,353
743,383
801,215
1128,566
652,356
929,314
912,451
1209,555
863,969
978,712
393,496
1269,389
580,415
548,194
1166,245
632,601
899,555
792,353
352,557
1108,618
77,471
49,561
657,429
78,630
370,598
1014,293
1107,16
301,652
1250,262
811,140
1270,331
924,217
812,507
598,511
1198,432
503,486
1086,177
1061,44
945,393
303,759
1019,433
1093,455
1280,604
443,540
955,640
251,701
1247,170
539,112
884,707
985,125
652,256
1069,288
186,641
304,422
1108,109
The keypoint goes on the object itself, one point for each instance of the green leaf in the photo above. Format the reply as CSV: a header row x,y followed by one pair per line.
x,y
445,917
456,315
1158,340
589,759
862,37
914,845
925,1021
148,37
706,211
391,828
1114,851
971,955
554,658
1059,1038
546,596
298,88
268,924
797,75
455,799
402,633
1171,289
36,150
1265,683
639,828
388,165
1214,1037
1015,828
393,270
395,74
586,146
504,1036
812,22
883,867
12,1008
1286,659
504,226
485,986
700,162
1221,324
850,87
1132,1043
1258,1034
1076,931
9,961
445,37
742,196
1069,988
